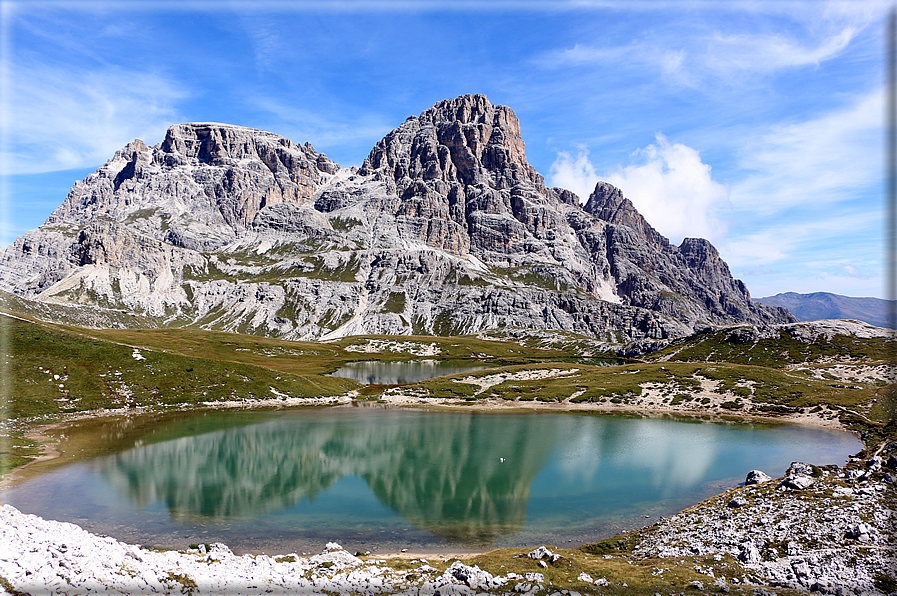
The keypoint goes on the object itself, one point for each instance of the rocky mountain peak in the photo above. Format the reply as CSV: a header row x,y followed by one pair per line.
x,y
445,229
201,187
222,144
608,204
466,109
466,140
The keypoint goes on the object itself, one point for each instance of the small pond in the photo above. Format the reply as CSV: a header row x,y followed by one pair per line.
x,y
383,479
401,372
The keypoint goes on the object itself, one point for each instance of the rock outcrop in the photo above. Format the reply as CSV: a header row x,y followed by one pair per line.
x,y
444,229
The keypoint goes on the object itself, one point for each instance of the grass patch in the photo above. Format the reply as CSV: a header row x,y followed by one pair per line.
x,y
777,352
55,370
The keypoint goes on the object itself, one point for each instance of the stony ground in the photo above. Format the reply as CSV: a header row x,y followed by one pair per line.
x,y
47,557
829,530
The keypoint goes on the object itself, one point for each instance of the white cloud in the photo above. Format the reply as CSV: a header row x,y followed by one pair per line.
x,y
58,119
695,59
829,159
669,185
750,52
734,51
669,63
574,173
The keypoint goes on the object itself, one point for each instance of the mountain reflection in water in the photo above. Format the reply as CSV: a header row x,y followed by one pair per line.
x,y
441,472
404,478
378,372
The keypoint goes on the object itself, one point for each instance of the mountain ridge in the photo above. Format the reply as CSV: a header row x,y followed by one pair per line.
x,y
826,305
444,229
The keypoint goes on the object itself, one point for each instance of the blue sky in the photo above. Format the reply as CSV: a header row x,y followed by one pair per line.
x,y
755,124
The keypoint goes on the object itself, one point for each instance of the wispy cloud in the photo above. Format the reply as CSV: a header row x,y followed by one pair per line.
x,y
325,129
667,62
60,119
792,236
821,161
667,182
710,50
770,52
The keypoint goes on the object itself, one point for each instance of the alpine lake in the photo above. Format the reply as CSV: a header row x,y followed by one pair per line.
x,y
384,479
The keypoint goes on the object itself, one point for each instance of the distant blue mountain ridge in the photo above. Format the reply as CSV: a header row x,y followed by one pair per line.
x,y
825,305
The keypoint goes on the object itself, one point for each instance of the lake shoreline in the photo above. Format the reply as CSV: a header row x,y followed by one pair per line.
x,y
640,406
731,543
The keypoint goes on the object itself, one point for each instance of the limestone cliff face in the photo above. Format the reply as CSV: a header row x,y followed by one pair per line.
x,y
444,229
201,187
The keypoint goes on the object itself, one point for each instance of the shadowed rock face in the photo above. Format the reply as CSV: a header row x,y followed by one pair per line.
x,y
445,229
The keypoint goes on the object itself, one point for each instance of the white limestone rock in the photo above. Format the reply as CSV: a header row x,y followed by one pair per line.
x,y
445,229
757,477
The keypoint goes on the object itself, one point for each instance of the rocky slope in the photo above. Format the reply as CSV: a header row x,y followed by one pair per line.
x,y
445,229
823,530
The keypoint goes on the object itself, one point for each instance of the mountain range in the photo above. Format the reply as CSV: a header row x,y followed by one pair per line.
x,y
825,305
445,229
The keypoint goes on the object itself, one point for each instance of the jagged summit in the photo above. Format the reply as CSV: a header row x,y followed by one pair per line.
x,y
444,229
608,203
204,183
472,141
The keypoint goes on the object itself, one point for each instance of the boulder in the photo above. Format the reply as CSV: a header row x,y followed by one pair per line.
x,y
737,502
798,468
796,482
473,576
540,553
861,532
748,553
757,477
335,557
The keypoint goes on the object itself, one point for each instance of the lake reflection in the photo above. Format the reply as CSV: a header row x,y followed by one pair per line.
x,y
421,480
376,372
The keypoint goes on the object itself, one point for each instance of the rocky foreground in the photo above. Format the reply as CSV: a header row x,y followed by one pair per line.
x,y
826,530
821,529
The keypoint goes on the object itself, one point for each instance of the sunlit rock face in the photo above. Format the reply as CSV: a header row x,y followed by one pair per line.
x,y
444,229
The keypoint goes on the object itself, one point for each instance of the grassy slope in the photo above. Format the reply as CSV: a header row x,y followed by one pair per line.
x,y
56,369
52,370
183,368
778,352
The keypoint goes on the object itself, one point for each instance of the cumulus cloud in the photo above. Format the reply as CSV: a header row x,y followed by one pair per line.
x,y
668,183
574,173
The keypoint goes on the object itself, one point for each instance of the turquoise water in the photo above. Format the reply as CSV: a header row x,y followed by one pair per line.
x,y
382,479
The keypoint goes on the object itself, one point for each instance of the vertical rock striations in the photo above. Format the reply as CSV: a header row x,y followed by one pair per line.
x,y
444,229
